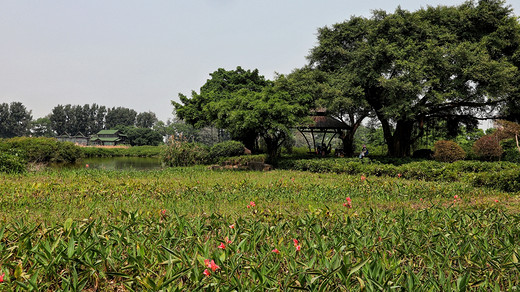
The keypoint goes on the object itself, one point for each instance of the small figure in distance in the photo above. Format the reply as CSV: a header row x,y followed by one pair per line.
x,y
364,151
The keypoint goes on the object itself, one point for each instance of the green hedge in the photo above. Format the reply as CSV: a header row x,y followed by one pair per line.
x,y
226,149
42,150
502,175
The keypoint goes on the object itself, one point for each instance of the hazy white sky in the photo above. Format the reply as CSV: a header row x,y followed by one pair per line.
x,y
141,54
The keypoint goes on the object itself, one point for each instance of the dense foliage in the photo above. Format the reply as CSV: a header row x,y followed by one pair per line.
x,y
182,153
418,68
226,149
477,173
42,150
448,151
488,148
247,106
15,120
12,163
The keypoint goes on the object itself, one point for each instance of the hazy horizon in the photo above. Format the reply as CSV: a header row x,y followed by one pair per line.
x,y
141,56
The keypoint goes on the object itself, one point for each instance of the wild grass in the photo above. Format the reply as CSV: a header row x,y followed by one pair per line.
x,y
102,230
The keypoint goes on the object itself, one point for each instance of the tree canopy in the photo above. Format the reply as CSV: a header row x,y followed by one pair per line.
x,y
246,105
15,120
450,63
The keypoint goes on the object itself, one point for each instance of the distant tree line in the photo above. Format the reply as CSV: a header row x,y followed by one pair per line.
x,y
16,120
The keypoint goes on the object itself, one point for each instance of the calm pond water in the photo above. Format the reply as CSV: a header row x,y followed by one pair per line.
x,y
119,163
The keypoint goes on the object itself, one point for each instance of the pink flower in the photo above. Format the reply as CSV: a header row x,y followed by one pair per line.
x,y
252,204
163,212
298,247
206,273
2,277
363,178
276,251
496,201
227,240
214,266
420,199
348,203
399,175
455,197
86,165
232,226
222,246
211,264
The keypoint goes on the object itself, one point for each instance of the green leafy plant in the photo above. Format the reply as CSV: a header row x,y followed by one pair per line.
x,y
181,153
226,149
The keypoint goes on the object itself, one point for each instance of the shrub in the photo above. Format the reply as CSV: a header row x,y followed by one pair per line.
x,y
12,163
448,151
181,153
488,148
43,150
226,149
508,180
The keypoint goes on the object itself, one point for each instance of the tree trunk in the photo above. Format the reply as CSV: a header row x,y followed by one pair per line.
x,y
273,144
347,138
399,144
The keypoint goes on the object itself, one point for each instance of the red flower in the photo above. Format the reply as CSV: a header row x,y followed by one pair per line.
x,y
252,204
232,226
295,242
276,251
211,264
363,178
455,197
222,246
298,247
2,277
206,273
86,165
348,203
399,175
496,201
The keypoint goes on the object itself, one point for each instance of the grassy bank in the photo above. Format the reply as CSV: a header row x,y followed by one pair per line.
x,y
108,230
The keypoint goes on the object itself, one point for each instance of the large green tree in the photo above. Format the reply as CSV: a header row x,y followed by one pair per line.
x,y
450,63
120,116
15,120
213,105
246,105
146,120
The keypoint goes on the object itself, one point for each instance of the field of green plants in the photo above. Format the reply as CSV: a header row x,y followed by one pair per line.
x,y
192,228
